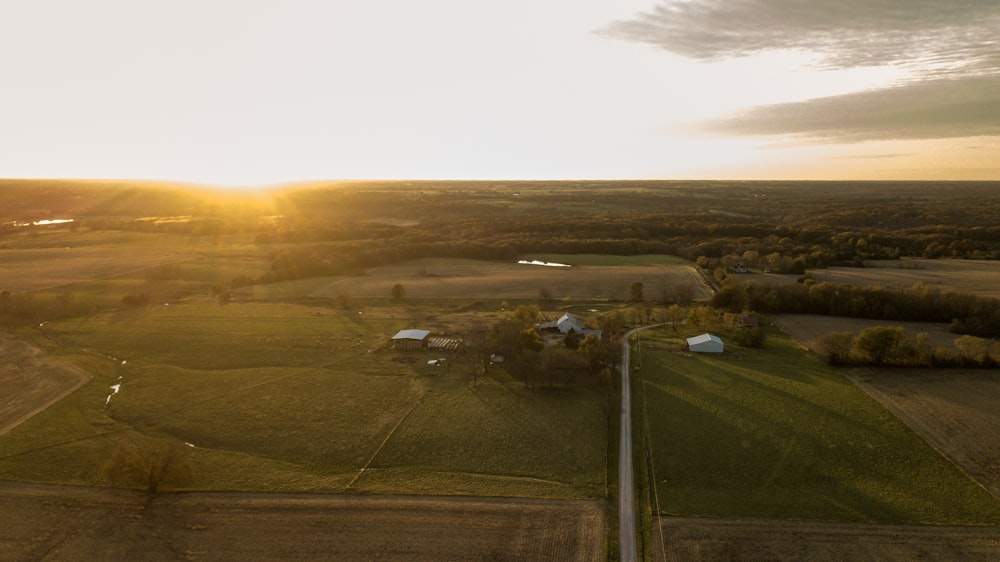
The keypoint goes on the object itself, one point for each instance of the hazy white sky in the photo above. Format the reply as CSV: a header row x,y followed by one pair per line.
x,y
252,92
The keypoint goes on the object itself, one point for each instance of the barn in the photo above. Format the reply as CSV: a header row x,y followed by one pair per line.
x,y
566,324
705,343
410,339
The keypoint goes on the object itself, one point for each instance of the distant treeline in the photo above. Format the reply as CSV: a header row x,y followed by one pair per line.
x,y
967,313
342,227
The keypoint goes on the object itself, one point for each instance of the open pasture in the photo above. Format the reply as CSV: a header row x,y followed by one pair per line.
x,y
279,396
33,270
100,267
777,434
588,277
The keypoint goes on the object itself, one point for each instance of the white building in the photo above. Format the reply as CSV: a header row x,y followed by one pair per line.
x,y
410,339
705,343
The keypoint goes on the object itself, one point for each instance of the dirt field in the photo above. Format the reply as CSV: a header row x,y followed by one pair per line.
x,y
31,381
973,276
36,269
69,523
440,278
956,411
808,328
694,540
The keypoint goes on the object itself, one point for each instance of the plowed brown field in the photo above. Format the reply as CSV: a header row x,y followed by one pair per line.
x,y
695,540
43,522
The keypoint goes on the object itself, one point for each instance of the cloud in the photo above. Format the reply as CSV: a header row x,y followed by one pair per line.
x,y
847,33
943,108
949,50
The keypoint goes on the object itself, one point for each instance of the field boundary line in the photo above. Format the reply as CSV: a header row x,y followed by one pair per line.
x,y
649,449
384,441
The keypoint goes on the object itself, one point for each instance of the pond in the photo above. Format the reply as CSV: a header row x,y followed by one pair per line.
x,y
543,263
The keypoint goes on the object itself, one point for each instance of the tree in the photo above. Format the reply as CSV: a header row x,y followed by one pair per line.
x,y
344,300
837,346
526,315
973,349
882,344
675,315
612,324
600,353
635,292
572,339
150,464
398,292
647,309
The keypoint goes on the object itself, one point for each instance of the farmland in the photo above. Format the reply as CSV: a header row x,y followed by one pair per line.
x,y
60,522
972,276
739,436
256,330
745,473
586,278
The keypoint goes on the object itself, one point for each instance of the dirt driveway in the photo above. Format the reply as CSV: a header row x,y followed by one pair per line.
x,y
47,522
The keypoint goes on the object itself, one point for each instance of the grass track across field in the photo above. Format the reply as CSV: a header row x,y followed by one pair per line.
x,y
777,434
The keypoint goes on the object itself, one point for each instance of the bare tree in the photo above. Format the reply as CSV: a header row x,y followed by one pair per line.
x,y
149,464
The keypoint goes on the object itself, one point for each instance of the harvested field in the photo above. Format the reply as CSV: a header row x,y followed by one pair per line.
x,y
30,381
979,277
37,269
956,411
693,540
446,278
808,328
59,523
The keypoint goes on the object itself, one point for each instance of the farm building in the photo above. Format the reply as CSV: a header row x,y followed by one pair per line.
x,y
410,339
705,343
567,323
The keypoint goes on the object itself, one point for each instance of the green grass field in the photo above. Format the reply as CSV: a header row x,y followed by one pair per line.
x,y
286,396
775,433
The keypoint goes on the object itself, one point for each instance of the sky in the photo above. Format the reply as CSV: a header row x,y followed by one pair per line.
x,y
261,92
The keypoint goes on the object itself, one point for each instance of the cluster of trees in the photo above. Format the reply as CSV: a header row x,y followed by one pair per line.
x,y
518,340
968,313
27,308
893,346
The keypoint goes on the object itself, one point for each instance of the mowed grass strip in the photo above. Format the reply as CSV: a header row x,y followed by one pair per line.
x,y
775,433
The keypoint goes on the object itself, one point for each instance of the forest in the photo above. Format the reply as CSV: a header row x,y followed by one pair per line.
x,y
341,228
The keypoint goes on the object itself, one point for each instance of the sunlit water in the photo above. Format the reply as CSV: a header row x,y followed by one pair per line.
x,y
543,263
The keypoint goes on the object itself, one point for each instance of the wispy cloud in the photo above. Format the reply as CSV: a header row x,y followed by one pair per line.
x,y
949,49
944,108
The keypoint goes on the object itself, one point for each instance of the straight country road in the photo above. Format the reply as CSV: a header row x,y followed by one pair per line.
x,y
626,486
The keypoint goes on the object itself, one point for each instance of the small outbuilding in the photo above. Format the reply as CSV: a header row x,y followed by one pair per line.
x,y
705,343
410,339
